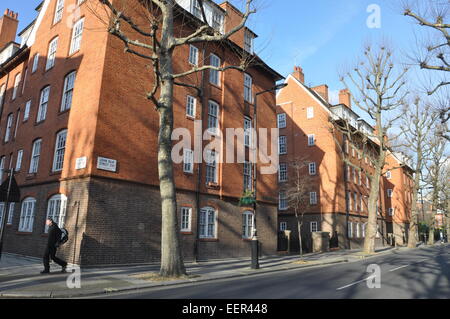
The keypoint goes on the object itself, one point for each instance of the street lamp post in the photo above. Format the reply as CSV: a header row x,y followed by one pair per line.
x,y
255,242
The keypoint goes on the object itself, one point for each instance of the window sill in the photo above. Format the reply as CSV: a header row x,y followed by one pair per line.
x,y
192,118
39,123
215,86
186,233
64,112
52,173
209,239
31,176
188,173
212,186
70,56
24,233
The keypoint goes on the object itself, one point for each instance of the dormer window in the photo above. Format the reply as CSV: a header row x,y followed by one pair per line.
x,y
196,9
217,21
248,42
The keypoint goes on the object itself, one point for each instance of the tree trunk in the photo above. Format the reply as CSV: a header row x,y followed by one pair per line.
x,y
371,230
171,255
431,235
413,227
299,227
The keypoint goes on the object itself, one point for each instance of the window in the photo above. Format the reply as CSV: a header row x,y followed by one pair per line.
x,y
348,200
60,148
26,113
56,210
355,201
2,167
207,223
196,9
283,226
281,120
9,124
282,146
311,140
347,172
391,211
2,212
312,168
309,112
19,160
193,55
69,82
186,215
247,175
24,80
59,10
247,131
16,85
43,103
361,203
35,154
353,152
248,41
282,172
211,167
35,63
51,56
188,162
313,227
214,75
27,215
190,106
389,193
354,175
248,83
217,21
213,117
282,201
346,147
364,230
359,177
358,230
2,93
312,198
367,182
77,34
17,123
80,2
247,225
11,213
388,175
350,229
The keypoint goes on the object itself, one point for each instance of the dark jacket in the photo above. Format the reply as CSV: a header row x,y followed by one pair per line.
x,y
54,235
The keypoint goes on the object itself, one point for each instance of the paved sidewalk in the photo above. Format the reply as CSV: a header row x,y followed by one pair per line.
x,y
20,276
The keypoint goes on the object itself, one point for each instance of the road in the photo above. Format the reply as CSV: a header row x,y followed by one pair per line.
x,y
421,273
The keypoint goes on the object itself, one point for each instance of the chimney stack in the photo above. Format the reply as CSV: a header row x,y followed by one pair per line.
x,y
322,90
298,74
345,98
8,27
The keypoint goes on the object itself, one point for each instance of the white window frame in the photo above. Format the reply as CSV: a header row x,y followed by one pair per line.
x,y
212,174
282,145
391,211
248,175
388,175
2,167
16,85
248,219
390,192
191,105
193,55
214,75
186,219
60,149
2,93
312,226
282,201
248,88
59,11
282,172
69,85
9,125
208,223
19,160
56,210
188,161
248,41
311,140
11,208
77,36
310,112
247,131
43,104
27,213
213,117
26,113
358,230
51,56
350,229
35,156
312,168
283,226
313,198
281,120
35,63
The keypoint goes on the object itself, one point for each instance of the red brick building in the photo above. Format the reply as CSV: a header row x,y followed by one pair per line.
x,y
78,128
338,194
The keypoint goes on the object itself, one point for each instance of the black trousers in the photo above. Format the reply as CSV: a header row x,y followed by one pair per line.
x,y
50,252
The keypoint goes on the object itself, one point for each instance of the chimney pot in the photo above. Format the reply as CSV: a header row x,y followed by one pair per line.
x,y
345,98
298,74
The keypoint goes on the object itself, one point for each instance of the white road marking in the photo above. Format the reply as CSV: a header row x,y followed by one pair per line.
x,y
394,269
355,283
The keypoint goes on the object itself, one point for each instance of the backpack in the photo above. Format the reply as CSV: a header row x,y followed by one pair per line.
x,y
64,237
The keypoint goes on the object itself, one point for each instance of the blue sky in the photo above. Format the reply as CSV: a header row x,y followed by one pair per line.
x,y
319,35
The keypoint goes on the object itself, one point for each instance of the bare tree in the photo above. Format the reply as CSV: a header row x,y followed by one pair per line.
x,y
297,194
434,53
379,90
161,39
435,169
416,127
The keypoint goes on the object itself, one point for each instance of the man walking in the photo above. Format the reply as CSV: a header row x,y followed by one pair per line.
x,y
54,235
